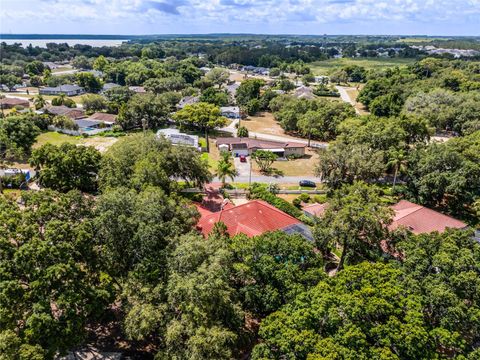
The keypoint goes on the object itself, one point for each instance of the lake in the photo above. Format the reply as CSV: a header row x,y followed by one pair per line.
x,y
43,42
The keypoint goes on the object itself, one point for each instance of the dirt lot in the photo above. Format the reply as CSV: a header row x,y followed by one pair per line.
x,y
353,93
263,122
101,143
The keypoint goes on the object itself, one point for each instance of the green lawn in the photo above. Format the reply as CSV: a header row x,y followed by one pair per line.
x,y
327,66
55,138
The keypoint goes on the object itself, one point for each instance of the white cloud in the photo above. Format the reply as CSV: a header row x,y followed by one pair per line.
x,y
231,14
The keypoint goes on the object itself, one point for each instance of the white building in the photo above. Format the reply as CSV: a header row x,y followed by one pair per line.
x,y
231,112
178,138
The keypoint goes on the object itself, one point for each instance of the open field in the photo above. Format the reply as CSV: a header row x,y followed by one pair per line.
x,y
101,143
327,66
34,92
298,167
213,156
264,123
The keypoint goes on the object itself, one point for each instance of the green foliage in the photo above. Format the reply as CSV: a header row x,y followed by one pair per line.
x,y
242,131
248,90
89,82
264,159
64,122
446,174
49,285
147,110
313,118
93,103
34,68
272,269
226,168
137,161
260,191
134,230
214,96
67,166
63,100
17,135
218,76
355,220
39,102
365,312
201,115
100,63
447,110
252,106
285,85
162,85
341,164
81,62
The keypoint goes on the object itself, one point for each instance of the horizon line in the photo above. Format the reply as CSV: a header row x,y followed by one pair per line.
x,y
231,33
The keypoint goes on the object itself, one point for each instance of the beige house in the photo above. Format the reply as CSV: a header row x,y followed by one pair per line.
x,y
247,146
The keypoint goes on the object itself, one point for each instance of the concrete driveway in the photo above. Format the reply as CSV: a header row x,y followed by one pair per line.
x,y
243,168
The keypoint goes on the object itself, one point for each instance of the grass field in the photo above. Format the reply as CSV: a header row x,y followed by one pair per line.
x,y
101,143
55,138
327,66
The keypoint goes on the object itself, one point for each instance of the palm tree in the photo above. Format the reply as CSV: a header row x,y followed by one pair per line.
x,y
398,161
39,102
225,168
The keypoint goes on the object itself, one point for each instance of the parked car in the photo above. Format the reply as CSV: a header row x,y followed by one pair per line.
x,y
307,183
243,158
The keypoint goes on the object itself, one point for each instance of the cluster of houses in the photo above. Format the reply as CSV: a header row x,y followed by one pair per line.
x,y
257,217
86,124
256,70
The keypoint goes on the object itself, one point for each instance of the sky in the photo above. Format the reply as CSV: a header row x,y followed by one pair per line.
x,y
138,17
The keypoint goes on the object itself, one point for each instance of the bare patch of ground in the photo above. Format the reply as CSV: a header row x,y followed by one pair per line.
x,y
101,143
264,123
353,93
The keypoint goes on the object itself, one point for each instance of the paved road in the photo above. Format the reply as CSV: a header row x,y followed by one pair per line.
x,y
273,179
345,97
256,135
231,128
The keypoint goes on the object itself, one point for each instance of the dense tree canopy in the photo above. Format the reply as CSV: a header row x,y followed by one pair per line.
x,y
423,308
49,280
67,167
138,161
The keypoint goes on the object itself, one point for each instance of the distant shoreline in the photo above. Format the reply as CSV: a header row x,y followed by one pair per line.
x,y
66,37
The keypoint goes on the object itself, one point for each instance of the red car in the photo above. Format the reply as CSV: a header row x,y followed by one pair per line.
x,y
243,158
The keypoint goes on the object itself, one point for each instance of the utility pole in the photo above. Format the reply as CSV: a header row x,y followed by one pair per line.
x,y
250,175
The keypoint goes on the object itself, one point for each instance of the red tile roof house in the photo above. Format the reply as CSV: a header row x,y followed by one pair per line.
x,y
421,220
416,218
247,146
252,219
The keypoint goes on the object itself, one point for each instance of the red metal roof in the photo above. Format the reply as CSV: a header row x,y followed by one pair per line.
x,y
253,218
419,219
